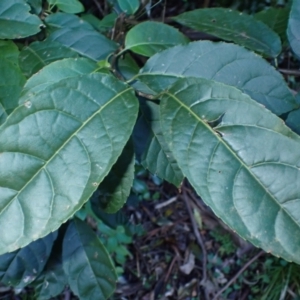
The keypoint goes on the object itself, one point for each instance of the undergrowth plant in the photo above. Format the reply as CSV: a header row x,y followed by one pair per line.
x,y
80,103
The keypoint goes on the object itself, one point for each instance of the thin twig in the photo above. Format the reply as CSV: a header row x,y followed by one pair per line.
x,y
235,277
171,268
99,7
290,72
199,241
166,203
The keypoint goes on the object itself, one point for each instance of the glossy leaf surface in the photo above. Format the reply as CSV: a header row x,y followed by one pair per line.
x,y
68,6
87,264
154,152
39,54
148,38
222,62
293,31
15,20
240,158
55,72
60,144
115,188
231,25
21,267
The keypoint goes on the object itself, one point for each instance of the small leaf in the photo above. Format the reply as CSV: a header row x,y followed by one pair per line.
x,y
87,264
15,20
102,25
233,26
129,6
293,31
222,62
155,154
39,54
21,267
60,144
68,6
276,19
240,158
148,38
55,72
115,188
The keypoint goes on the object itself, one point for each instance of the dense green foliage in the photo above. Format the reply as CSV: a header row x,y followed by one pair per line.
x,y
77,111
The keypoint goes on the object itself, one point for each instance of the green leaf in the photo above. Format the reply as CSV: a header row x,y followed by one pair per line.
x,y
129,6
115,188
11,84
9,51
293,119
39,54
240,158
55,72
148,38
89,43
111,220
21,267
87,264
233,26
103,25
276,19
68,6
155,153
293,31
62,20
15,20
60,144
36,5
52,281
222,62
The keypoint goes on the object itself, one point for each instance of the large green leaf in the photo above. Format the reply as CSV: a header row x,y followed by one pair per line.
x,y
148,38
276,19
115,188
293,31
129,6
21,267
11,84
293,119
87,264
226,63
151,146
56,149
241,159
36,5
68,6
55,72
233,26
39,54
15,20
